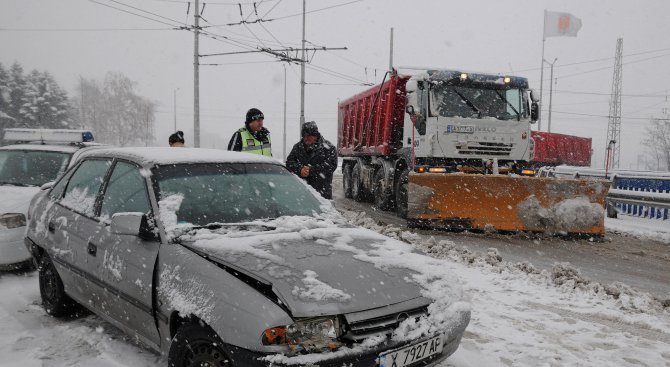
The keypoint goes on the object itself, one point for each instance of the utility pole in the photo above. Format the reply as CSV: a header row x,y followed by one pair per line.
x,y
174,105
284,149
196,78
81,86
302,68
551,90
391,53
614,124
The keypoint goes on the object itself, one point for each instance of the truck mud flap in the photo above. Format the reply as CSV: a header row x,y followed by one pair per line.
x,y
507,203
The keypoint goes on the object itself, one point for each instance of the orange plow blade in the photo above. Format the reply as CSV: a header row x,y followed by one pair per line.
x,y
507,203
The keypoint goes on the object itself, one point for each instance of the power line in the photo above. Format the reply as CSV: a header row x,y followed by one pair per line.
x,y
83,29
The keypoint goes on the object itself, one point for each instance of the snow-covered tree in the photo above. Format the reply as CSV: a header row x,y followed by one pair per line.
x,y
5,97
45,104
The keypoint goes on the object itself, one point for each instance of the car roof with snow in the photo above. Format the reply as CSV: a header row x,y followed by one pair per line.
x,y
165,155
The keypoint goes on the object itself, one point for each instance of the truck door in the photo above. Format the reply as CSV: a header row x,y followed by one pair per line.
x,y
124,264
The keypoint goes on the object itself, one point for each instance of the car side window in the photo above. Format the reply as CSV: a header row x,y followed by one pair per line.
x,y
125,192
84,186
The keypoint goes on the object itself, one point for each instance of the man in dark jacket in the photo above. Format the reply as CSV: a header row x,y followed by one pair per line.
x,y
314,159
253,137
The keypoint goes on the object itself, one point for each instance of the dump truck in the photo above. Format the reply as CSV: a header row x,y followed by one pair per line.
x,y
553,149
435,146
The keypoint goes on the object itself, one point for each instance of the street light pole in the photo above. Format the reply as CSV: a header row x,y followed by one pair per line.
x,y
174,105
551,90
284,149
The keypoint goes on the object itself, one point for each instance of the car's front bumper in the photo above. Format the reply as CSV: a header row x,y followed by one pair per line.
x,y
12,249
369,358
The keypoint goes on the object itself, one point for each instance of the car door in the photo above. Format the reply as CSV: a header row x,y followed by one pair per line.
x,y
124,264
72,224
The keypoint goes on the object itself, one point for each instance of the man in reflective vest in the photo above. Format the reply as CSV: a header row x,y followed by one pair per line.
x,y
253,137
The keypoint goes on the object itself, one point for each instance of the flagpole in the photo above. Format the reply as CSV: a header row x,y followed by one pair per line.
x,y
539,118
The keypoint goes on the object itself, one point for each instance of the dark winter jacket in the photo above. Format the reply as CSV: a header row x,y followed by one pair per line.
x,y
322,159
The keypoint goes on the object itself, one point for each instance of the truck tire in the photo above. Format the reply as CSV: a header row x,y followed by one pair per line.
x,y
194,345
382,199
357,184
54,300
346,181
401,190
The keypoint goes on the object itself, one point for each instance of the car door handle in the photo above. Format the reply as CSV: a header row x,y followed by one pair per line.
x,y
51,227
92,249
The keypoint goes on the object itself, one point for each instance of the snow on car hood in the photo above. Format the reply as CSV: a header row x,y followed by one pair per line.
x,y
16,199
320,267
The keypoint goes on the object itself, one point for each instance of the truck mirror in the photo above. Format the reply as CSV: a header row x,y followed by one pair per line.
x,y
410,110
534,112
533,96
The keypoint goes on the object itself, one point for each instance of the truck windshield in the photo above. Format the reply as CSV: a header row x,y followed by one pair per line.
x,y
456,101
234,192
31,168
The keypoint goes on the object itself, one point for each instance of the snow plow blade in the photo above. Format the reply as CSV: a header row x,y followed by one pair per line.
x,y
507,203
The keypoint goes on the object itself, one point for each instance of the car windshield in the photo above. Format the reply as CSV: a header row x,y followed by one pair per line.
x,y
501,104
234,193
31,167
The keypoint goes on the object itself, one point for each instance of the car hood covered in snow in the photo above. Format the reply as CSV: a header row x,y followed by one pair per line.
x,y
16,199
317,267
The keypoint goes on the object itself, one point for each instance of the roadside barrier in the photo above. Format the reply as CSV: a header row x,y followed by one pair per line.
x,y
642,194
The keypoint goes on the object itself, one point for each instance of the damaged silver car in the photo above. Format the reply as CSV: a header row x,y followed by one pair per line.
x,y
225,259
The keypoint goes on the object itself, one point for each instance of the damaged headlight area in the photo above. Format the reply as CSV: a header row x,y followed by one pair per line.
x,y
306,336
12,220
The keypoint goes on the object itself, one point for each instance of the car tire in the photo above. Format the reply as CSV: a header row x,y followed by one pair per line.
x,y
357,184
381,197
197,345
346,181
401,194
54,299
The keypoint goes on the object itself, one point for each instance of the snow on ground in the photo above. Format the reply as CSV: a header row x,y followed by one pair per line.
x,y
643,228
520,317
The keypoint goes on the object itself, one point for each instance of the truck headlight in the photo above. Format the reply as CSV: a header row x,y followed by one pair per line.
x,y
313,335
12,220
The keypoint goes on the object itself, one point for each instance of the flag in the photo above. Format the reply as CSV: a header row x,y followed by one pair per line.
x,y
561,24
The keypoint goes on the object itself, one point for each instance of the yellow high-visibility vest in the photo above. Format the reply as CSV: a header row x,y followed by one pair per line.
x,y
254,146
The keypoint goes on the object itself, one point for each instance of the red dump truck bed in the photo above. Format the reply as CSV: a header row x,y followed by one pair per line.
x,y
370,123
553,149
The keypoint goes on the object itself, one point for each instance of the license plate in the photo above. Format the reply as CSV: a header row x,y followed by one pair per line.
x,y
412,354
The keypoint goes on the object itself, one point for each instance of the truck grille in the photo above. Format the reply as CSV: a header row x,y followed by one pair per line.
x,y
485,148
360,330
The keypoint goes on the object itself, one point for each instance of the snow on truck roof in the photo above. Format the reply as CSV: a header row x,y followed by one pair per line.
x,y
165,155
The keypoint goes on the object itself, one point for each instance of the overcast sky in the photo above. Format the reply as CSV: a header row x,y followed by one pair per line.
x,y
70,38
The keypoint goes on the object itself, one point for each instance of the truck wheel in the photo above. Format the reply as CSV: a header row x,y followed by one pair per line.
x,y
381,198
356,184
54,300
346,181
401,196
197,345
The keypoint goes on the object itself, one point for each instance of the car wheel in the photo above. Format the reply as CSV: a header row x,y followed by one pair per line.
x,y
381,197
346,181
54,300
401,194
195,345
356,184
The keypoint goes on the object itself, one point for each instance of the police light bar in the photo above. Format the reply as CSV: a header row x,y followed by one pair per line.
x,y
48,135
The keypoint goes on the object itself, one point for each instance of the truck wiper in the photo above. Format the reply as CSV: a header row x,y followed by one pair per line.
x,y
469,103
243,225
15,184
518,115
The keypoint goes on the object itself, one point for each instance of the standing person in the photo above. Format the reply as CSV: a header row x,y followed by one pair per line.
x,y
314,159
176,140
253,137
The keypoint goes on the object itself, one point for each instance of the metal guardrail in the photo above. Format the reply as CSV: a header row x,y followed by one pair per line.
x,y
642,194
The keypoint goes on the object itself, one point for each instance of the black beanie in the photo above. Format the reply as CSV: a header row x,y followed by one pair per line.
x,y
310,128
253,114
177,137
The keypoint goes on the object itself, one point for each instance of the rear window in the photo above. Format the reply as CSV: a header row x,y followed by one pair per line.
x,y
31,167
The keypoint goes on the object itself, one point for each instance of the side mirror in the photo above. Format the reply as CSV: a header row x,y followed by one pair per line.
x,y
534,112
533,96
410,110
47,185
133,224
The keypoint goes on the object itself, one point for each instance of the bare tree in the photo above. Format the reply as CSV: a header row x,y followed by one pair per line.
x,y
657,143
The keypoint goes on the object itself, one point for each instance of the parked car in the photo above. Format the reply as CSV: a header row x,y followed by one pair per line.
x,y
37,156
218,258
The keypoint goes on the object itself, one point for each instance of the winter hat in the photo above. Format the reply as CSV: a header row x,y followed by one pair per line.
x,y
310,128
253,114
177,137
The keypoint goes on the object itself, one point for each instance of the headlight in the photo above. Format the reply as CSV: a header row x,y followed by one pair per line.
x,y
313,335
12,220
